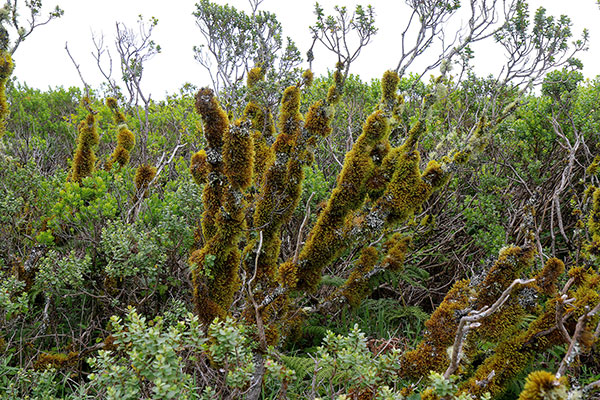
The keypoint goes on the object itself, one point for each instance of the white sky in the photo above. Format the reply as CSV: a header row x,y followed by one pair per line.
x,y
41,61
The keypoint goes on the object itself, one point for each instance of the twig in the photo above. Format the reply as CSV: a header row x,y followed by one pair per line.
x,y
471,321
86,86
304,221
136,206
260,243
574,346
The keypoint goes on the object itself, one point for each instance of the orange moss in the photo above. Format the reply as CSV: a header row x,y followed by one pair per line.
x,y
288,274
289,115
143,176
396,248
255,75
214,118
547,278
6,68
199,167
430,354
59,361
84,160
356,287
215,280
238,155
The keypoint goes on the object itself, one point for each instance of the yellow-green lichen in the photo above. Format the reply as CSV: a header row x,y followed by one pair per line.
x,y
594,167
325,240
119,117
125,143
307,78
6,68
396,248
547,278
406,190
430,354
335,91
511,262
125,138
84,160
389,85
318,119
199,167
238,155
543,385
356,287
592,247
255,75
515,353
144,174
435,175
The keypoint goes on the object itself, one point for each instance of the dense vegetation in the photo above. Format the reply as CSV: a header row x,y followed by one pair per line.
x,y
281,235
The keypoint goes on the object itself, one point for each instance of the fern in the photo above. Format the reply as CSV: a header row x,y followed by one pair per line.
x,y
412,275
315,331
335,281
302,366
392,311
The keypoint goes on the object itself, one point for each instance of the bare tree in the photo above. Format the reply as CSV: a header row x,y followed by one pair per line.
x,y
10,20
134,49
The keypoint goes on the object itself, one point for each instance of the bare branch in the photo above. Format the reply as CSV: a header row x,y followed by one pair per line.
x,y
472,321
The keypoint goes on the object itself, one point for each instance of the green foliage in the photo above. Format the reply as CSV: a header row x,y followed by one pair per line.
x,y
56,273
383,318
235,42
74,253
231,349
149,365
13,299
347,359
20,383
132,252
447,388
81,207
483,222
42,125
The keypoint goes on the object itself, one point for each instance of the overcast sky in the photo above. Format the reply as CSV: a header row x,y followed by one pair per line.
x,y
41,61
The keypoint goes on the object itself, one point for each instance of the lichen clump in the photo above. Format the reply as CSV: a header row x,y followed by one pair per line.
x,y
84,160
125,138
6,68
356,288
144,174
430,354
542,385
